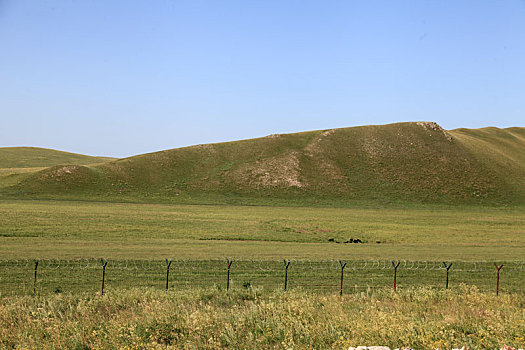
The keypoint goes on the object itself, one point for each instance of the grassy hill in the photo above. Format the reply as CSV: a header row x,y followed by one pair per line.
x,y
34,157
16,163
404,162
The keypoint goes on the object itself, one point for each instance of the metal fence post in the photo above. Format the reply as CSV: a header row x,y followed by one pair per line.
x,y
448,268
286,264
34,281
104,264
395,273
342,269
497,281
168,264
229,262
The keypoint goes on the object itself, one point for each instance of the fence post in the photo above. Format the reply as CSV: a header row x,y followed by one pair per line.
x,y
229,262
34,281
395,273
286,264
342,269
104,264
168,264
448,268
497,281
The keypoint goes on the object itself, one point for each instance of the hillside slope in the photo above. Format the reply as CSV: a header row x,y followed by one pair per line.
x,y
404,162
34,157
17,163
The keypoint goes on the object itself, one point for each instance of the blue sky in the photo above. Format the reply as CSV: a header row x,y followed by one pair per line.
x,y
108,77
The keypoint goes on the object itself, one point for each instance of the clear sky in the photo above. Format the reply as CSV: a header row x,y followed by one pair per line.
x,y
118,78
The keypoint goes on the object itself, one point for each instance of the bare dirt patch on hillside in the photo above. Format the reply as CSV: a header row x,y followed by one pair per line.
x,y
280,171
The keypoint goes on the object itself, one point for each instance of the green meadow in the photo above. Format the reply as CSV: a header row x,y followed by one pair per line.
x,y
67,230
70,237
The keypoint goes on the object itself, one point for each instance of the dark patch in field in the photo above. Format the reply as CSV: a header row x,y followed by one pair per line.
x,y
12,235
351,240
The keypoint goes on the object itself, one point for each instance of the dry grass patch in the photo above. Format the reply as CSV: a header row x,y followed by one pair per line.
x,y
251,319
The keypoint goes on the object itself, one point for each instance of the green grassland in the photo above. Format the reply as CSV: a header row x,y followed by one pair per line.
x,y
136,237
66,229
407,191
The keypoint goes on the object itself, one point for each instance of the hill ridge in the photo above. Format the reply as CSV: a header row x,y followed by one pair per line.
x,y
31,156
406,162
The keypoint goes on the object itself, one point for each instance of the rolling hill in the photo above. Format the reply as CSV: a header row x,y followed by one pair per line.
x,y
18,162
34,157
403,162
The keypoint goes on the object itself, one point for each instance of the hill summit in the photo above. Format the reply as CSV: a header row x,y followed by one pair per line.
x,y
403,162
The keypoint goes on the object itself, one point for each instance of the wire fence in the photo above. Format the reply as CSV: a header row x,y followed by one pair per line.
x,y
25,276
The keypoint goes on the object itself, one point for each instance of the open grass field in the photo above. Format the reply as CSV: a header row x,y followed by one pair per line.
x,y
251,319
136,238
64,229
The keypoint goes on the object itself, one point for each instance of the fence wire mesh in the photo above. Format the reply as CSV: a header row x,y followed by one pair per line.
x,y
85,275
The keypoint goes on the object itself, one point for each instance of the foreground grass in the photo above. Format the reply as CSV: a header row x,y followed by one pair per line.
x,y
255,319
